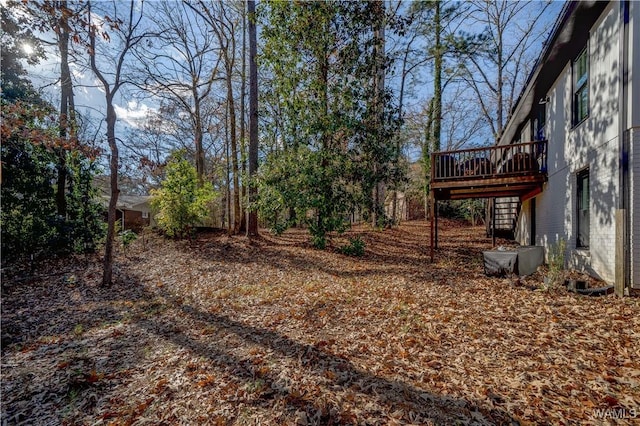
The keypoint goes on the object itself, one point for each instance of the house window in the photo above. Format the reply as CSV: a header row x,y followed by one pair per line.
x,y
580,88
145,215
583,209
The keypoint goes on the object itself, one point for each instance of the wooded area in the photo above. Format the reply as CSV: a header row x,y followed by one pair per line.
x,y
337,116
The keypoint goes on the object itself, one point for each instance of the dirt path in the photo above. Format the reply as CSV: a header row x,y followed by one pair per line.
x,y
226,331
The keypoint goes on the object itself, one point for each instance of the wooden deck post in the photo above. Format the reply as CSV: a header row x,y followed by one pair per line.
x,y
431,211
493,222
435,215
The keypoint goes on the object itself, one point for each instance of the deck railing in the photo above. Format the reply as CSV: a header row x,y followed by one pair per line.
x,y
520,159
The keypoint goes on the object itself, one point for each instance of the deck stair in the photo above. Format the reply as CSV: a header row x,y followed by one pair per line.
x,y
506,210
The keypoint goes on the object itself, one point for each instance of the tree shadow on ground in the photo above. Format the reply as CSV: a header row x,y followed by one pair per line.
x,y
150,313
333,372
49,305
64,344
73,387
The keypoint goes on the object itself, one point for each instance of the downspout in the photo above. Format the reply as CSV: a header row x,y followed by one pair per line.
x,y
624,276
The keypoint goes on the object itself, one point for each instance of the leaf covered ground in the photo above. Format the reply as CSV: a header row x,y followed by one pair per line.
x,y
226,331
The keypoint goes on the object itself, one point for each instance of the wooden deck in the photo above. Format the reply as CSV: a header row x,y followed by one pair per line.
x,y
498,171
517,170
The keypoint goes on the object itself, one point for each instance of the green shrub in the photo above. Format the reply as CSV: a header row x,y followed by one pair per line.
x,y
180,204
354,248
29,217
128,236
556,263
319,241
312,185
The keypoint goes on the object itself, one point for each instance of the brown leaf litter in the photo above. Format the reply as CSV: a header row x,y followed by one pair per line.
x,y
223,330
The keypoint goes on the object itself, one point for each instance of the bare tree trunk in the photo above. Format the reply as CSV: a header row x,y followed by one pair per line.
x,y
437,79
198,133
113,201
374,201
243,107
426,157
224,31
379,55
327,145
227,146
66,106
252,228
128,30
234,152
394,206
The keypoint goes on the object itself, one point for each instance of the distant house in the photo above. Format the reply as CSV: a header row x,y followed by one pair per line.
x,y
567,165
133,211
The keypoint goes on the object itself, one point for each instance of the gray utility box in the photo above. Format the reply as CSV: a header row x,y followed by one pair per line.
x,y
520,261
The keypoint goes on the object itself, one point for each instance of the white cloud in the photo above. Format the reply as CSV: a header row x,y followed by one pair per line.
x,y
133,114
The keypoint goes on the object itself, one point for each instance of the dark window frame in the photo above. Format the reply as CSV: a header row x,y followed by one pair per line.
x,y
580,87
583,197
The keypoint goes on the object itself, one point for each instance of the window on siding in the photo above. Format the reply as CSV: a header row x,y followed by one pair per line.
x,y
583,209
580,87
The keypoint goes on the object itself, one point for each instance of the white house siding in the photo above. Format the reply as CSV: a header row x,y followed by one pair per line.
x,y
634,167
634,64
593,144
633,120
